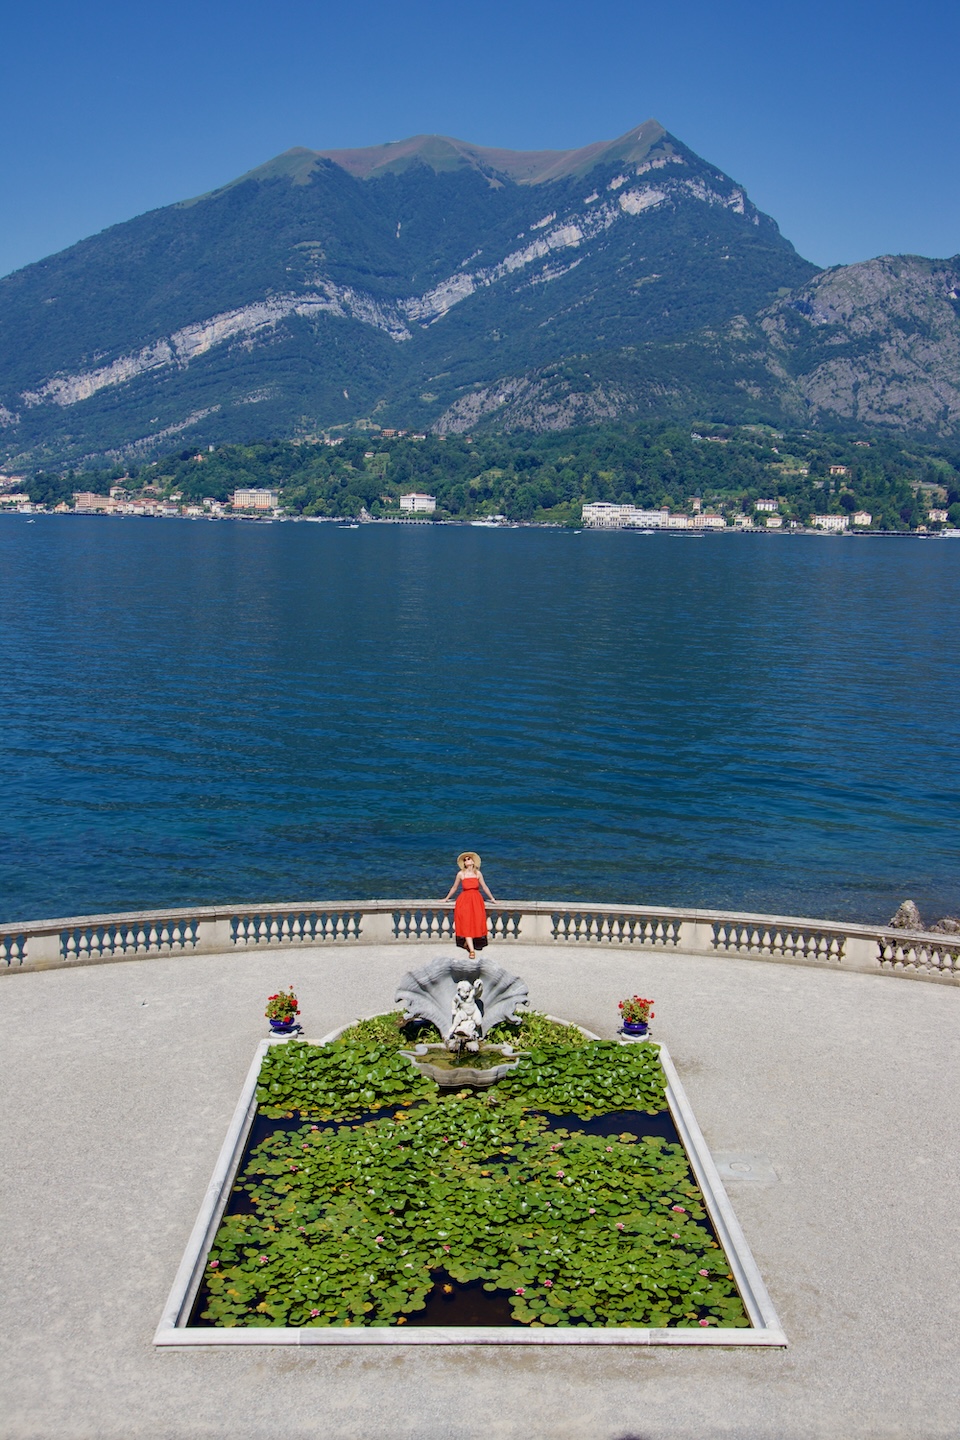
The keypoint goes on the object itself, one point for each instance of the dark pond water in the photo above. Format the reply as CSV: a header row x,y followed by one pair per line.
x,y
196,712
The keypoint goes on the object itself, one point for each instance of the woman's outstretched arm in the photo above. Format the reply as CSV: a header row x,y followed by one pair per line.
x,y
449,895
489,892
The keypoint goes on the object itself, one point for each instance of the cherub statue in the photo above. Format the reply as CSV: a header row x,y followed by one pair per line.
x,y
466,1029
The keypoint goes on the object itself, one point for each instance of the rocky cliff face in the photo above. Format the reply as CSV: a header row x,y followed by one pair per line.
x,y
877,343
873,345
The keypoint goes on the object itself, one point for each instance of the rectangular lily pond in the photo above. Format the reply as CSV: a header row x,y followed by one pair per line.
x,y
573,1201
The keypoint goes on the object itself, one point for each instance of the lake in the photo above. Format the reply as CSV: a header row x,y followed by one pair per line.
x,y
198,712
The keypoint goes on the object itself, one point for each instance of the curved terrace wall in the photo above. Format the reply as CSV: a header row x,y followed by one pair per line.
x,y
95,939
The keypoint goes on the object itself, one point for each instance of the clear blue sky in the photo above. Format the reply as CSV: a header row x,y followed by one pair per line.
x,y
840,119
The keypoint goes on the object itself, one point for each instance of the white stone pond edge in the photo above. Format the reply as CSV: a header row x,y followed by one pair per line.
x,y
765,1329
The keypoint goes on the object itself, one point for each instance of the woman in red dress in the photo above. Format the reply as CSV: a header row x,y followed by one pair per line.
x,y
469,913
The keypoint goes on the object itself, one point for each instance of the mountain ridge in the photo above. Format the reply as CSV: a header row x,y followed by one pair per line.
x,y
444,153
438,285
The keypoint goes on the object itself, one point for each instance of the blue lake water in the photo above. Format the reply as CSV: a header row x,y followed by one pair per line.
x,y
201,712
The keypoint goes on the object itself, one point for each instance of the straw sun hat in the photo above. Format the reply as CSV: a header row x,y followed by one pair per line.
x,y
468,854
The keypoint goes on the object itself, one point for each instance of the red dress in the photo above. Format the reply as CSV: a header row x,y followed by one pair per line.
x,y
470,914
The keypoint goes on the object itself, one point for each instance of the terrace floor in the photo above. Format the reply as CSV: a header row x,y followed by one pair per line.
x,y
121,1080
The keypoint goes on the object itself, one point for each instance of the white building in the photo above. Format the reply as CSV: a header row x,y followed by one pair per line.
x,y
417,503
862,517
774,522
709,522
940,516
772,506
602,515
255,499
831,522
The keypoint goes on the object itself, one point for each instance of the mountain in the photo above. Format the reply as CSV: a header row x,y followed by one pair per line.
x,y
431,283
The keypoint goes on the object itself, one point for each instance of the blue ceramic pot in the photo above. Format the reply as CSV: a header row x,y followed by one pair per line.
x,y
283,1027
635,1027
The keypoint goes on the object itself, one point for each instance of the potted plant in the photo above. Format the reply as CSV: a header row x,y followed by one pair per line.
x,y
635,1015
282,1011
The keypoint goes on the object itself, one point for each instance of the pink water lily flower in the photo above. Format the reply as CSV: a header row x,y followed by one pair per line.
x,y
548,1283
703,1272
704,1322
679,1209
314,1314
378,1240
520,1291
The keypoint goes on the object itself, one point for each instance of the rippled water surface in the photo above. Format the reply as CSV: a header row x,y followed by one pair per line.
x,y
210,712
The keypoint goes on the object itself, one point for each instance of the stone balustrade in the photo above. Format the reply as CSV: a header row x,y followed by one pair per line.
x,y
44,944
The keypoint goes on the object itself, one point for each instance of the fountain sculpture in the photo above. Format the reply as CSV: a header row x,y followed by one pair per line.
x,y
464,999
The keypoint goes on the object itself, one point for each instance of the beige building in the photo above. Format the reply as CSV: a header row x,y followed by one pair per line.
x,y
255,499
418,504
774,522
862,517
87,500
939,516
839,470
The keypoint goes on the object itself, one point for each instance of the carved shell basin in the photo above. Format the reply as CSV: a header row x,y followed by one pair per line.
x,y
455,1077
427,994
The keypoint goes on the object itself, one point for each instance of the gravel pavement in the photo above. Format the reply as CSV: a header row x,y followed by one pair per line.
x,y
121,1079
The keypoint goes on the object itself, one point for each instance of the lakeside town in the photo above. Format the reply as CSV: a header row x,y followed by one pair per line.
x,y
416,507
644,477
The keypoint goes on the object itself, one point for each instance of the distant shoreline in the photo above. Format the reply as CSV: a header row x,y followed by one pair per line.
x,y
347,524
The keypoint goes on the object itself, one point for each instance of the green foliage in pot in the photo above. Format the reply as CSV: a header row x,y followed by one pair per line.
x,y
282,1006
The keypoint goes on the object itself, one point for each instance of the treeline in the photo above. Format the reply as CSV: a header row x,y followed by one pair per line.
x,y
547,478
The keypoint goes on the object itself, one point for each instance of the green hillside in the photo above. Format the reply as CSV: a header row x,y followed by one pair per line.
x,y
547,478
